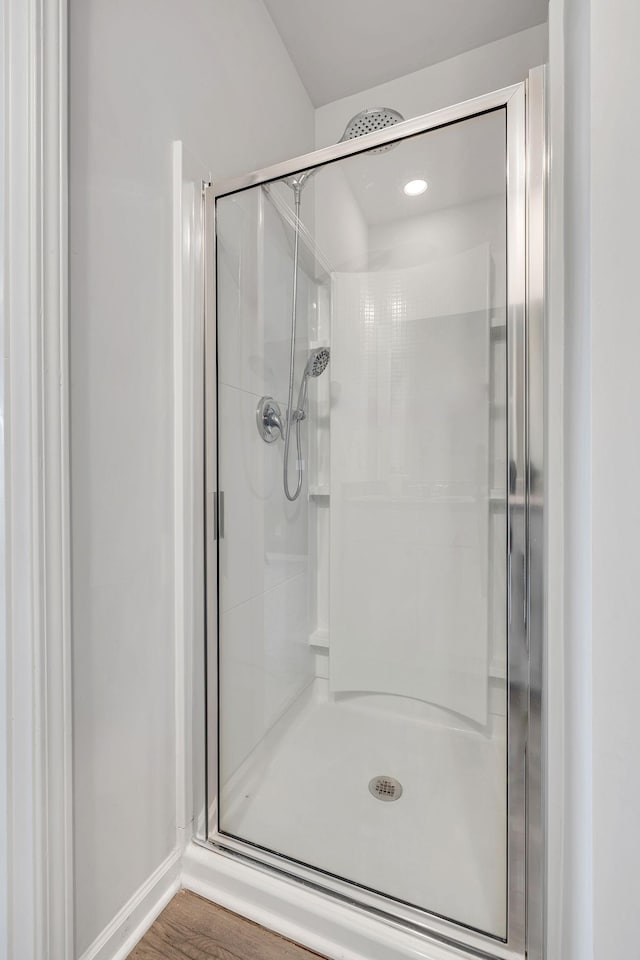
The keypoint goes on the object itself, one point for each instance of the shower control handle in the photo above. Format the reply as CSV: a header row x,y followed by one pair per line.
x,y
218,515
269,420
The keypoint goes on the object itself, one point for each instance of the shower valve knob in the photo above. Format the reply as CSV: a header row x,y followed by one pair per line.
x,y
269,420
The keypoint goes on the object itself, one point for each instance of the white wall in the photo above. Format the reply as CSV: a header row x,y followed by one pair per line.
x,y
444,233
341,229
461,78
612,371
437,236
4,680
142,73
391,523
576,892
601,842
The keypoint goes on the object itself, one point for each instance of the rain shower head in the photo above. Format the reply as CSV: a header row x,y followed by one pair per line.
x,y
367,121
376,118
317,362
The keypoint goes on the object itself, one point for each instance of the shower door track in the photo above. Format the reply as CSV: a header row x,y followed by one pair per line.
x,y
524,105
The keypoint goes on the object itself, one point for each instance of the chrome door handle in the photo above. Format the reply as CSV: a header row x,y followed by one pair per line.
x,y
218,515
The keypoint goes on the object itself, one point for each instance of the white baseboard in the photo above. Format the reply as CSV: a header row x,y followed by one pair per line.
x,y
119,938
330,928
322,924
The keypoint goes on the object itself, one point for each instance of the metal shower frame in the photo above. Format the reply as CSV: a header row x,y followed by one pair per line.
x,y
524,106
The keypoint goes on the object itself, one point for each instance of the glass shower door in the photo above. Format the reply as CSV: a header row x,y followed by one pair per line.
x,y
366,685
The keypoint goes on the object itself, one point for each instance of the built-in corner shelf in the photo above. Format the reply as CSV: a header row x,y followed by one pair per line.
x,y
320,638
497,670
498,329
498,498
319,490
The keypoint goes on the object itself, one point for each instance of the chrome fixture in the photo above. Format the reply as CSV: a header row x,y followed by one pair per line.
x,y
385,788
316,365
317,362
367,121
298,180
270,421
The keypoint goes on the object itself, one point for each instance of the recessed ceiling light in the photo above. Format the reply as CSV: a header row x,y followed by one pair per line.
x,y
415,187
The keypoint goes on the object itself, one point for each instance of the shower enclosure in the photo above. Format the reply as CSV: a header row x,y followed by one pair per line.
x,y
373,546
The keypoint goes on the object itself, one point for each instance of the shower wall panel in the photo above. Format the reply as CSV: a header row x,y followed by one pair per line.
x,y
342,235
266,661
445,233
410,486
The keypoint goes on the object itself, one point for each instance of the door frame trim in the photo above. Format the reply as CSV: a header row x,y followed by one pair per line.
x,y
37,902
378,138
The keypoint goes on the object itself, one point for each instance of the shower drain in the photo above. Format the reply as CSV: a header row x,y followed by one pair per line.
x,y
385,788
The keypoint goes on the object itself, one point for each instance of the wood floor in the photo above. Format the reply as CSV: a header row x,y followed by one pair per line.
x,y
191,928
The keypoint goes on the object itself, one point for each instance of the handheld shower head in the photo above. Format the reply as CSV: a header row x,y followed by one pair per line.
x,y
316,365
317,362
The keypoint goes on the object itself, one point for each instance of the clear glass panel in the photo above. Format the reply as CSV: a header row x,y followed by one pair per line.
x,y
363,626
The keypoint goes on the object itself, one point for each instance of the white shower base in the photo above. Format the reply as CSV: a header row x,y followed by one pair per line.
x,y
304,793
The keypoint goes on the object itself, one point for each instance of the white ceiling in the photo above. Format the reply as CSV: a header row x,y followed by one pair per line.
x,y
340,47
